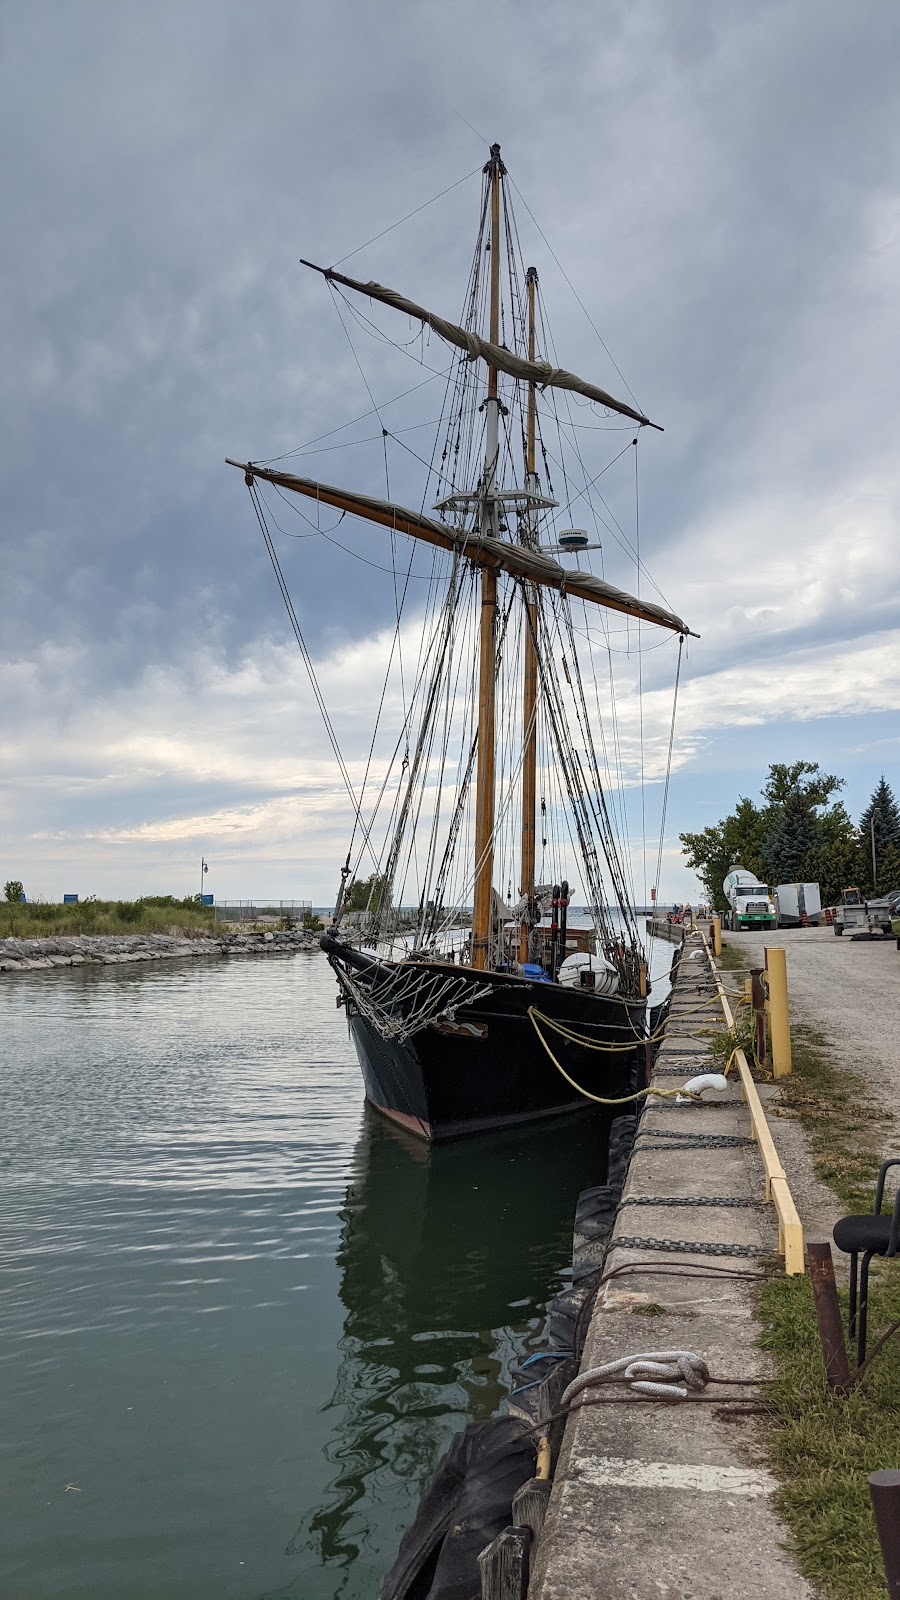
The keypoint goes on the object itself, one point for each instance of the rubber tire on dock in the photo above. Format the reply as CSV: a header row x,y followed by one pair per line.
x,y
466,1504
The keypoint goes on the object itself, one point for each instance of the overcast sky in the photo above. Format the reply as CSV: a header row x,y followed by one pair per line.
x,y
720,182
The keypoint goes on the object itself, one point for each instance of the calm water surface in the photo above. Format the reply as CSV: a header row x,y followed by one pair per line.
x,y
242,1317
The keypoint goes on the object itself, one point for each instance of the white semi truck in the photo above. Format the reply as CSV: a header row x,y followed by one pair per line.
x,y
749,902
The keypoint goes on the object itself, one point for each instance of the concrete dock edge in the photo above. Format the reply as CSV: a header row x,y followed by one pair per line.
x,y
665,1500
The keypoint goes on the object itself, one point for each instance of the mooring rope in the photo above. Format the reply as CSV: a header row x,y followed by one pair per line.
x,y
662,1374
592,1044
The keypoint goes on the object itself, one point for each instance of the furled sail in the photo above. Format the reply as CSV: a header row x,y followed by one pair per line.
x,y
496,355
478,547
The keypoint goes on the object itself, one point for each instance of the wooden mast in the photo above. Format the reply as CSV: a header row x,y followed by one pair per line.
x,y
487,666
529,687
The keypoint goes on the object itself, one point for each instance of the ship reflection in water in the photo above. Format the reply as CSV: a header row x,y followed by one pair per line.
x,y
448,1256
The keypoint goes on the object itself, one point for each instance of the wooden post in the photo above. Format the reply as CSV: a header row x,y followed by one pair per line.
x,y
529,1507
717,936
884,1488
828,1317
504,1566
779,1015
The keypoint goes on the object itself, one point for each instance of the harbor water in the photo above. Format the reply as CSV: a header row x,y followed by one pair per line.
x,y
242,1316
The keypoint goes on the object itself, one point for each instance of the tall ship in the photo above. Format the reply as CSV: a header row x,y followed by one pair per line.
x,y
474,999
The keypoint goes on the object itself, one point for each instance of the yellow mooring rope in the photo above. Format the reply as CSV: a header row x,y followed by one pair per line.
x,y
593,1044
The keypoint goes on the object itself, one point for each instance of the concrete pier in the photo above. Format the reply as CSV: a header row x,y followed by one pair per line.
x,y
665,1500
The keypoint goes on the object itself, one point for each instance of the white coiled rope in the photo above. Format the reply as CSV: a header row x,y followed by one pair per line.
x,y
663,1374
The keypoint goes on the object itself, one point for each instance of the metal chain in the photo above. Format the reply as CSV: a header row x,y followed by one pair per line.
x,y
691,1247
679,1049
692,1200
674,1072
694,1141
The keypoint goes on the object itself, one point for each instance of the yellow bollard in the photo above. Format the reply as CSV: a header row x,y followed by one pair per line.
x,y
779,1016
717,935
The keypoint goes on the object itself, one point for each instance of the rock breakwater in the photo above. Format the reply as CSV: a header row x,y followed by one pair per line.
x,y
36,955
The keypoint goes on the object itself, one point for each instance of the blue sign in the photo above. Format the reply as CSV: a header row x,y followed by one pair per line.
x,y
70,899
207,899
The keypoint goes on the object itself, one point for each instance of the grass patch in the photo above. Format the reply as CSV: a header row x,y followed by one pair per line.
x,y
651,1309
733,957
823,1448
848,1130
159,914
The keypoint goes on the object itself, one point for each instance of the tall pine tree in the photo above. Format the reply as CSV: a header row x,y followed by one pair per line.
x,y
881,818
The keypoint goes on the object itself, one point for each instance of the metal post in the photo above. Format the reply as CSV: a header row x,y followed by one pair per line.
x,y
828,1317
717,936
779,1015
884,1487
758,1002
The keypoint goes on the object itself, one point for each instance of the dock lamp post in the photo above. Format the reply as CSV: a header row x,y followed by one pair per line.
x,y
204,867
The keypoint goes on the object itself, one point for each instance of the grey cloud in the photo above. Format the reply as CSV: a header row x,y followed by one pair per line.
x,y
718,180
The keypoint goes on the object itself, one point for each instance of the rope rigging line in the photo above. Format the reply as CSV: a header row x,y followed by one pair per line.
x,y
307,658
400,220
575,292
637,548
665,797
305,448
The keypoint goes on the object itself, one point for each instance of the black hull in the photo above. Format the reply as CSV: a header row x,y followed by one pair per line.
x,y
488,1069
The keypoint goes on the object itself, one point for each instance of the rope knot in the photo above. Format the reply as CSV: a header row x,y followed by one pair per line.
x,y
659,1374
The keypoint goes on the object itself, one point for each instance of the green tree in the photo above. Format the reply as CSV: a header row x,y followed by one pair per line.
x,y
800,833
13,890
800,781
365,894
799,794
881,816
737,839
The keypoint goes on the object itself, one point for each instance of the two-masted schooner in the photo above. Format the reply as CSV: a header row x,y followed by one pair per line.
x,y
470,1012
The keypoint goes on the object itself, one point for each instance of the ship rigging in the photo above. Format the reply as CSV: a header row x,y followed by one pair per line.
x,y
495,776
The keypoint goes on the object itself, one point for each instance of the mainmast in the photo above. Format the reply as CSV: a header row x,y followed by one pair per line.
x,y
528,536
484,783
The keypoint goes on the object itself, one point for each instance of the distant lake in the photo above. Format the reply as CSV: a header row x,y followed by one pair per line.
x,y
242,1317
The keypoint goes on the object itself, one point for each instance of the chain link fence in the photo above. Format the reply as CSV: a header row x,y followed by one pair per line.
x,y
270,912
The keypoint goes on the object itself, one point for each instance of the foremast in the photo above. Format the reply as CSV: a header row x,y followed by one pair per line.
x,y
528,535
487,663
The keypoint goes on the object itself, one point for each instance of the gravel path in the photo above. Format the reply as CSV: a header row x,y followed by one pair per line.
x,y
848,989
850,992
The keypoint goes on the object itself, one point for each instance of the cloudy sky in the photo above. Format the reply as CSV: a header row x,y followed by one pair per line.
x,y
721,184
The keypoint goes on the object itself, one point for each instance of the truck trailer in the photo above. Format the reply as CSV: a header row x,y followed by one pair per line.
x,y
859,915
799,905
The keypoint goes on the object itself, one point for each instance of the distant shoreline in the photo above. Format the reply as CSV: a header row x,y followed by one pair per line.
x,y
106,950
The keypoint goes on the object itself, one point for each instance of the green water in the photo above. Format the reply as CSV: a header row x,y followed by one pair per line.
x,y
241,1316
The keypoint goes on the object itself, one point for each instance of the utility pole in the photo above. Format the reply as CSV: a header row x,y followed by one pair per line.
x,y
203,868
874,868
